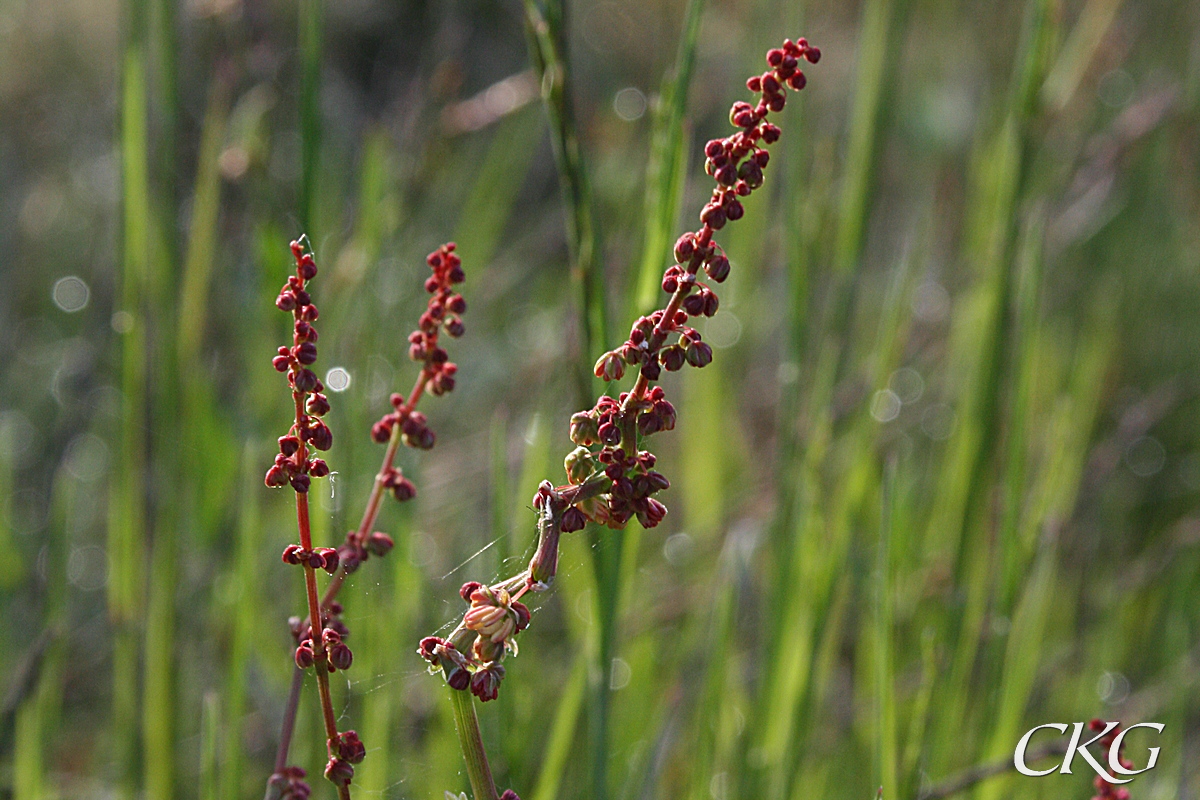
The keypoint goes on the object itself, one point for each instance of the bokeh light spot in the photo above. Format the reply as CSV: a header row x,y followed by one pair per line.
x,y
1145,457
908,384
71,294
630,104
337,379
885,405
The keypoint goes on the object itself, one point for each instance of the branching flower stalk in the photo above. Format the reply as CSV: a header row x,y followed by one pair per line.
x,y
610,480
328,651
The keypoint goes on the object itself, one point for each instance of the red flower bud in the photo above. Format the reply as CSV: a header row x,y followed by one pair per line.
x,y
380,544
403,489
458,678
610,367
318,405
281,363
717,268
523,615
305,380
286,301
304,656
307,267
320,436
276,477
339,772
672,357
485,683
699,354
573,520
427,649
299,482
340,656
381,431
651,513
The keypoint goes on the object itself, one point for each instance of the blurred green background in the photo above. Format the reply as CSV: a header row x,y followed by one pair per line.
x,y
939,485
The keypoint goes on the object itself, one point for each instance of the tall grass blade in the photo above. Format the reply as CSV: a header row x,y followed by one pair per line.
x,y
666,171
310,25
546,38
127,514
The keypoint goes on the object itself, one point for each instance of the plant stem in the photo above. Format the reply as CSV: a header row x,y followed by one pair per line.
x,y
318,642
370,514
471,741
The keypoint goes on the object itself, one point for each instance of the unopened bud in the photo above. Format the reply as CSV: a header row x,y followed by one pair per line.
x,y
584,430
610,367
380,544
579,465
339,772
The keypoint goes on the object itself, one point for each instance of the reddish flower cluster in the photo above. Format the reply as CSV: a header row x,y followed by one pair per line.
x,y
443,312
736,162
291,784
332,634
471,657
1104,789
292,464
609,480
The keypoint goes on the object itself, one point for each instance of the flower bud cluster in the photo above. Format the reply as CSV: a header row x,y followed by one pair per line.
x,y
664,340
333,634
610,480
358,547
293,465
344,751
1104,789
471,658
290,784
437,373
325,558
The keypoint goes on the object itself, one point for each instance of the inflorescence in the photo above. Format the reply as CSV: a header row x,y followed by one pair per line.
x,y
328,651
1104,789
609,479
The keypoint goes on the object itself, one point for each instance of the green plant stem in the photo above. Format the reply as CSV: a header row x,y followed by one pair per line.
x,y
479,772
547,37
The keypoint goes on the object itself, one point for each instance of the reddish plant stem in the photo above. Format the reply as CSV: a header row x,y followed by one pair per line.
x,y
289,720
321,661
375,500
370,514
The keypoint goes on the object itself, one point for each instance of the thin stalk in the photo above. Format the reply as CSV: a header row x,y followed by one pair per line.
x,y
320,667
479,772
370,514
547,37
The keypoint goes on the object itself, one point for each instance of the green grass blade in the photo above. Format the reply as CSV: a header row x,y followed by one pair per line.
x,y
562,733
874,60
210,734
545,49
488,209
310,25
126,523
667,168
